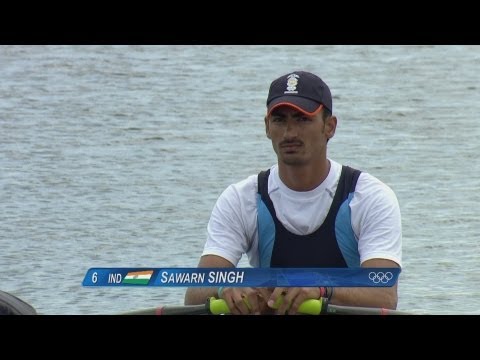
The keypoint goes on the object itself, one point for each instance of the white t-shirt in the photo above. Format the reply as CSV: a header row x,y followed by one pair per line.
x,y
375,214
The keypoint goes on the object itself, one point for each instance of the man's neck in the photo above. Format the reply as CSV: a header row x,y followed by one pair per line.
x,y
304,178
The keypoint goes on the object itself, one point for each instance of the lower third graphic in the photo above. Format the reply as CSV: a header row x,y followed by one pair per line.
x,y
252,277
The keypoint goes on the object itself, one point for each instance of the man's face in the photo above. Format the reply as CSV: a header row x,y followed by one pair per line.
x,y
298,139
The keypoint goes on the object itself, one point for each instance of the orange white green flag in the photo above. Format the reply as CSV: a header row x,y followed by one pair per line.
x,y
138,277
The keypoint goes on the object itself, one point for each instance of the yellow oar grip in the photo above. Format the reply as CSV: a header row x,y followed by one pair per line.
x,y
311,307
218,306
308,307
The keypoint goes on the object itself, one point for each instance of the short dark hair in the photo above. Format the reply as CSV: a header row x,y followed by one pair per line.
x,y
326,113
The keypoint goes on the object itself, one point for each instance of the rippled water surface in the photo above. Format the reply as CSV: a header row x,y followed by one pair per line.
x,y
113,156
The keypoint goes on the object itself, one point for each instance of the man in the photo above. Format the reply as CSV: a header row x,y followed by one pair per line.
x,y
305,211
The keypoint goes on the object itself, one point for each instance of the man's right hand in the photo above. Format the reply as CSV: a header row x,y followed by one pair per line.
x,y
247,300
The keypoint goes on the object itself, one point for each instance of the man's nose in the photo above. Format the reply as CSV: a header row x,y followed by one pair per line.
x,y
291,130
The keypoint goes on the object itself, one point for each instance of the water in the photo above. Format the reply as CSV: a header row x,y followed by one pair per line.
x,y
113,156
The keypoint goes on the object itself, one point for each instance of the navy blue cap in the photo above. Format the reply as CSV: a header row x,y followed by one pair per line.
x,y
301,90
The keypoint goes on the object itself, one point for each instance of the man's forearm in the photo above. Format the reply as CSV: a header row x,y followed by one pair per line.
x,y
199,295
366,297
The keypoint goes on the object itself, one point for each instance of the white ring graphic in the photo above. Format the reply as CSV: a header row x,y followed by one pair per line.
x,y
380,277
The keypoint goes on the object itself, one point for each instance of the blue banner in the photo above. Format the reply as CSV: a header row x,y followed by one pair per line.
x,y
242,277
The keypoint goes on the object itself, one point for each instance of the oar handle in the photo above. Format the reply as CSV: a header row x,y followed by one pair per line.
x,y
215,306
308,307
311,307
355,310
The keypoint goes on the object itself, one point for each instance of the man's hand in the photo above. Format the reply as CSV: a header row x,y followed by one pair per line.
x,y
247,300
291,298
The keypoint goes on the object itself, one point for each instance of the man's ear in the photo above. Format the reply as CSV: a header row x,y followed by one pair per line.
x,y
330,126
267,128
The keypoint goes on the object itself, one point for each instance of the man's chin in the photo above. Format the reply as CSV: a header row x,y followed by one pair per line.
x,y
293,160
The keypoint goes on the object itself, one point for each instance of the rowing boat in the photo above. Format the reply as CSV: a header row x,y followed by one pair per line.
x,y
12,305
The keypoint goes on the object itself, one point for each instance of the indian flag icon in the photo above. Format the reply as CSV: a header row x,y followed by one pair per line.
x,y
138,277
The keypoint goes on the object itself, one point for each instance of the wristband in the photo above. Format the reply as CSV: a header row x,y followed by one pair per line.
x,y
323,291
329,295
220,292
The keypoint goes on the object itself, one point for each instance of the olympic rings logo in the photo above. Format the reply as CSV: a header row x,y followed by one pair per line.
x,y
380,277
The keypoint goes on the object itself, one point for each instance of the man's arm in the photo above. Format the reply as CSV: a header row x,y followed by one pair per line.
x,y
381,297
199,295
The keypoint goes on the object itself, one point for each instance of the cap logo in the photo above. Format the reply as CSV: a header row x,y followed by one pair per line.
x,y
292,83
